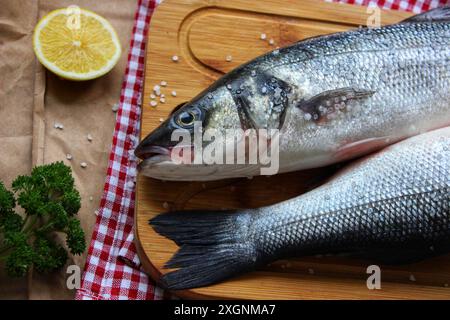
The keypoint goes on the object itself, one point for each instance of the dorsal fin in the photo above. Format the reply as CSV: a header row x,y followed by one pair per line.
x,y
441,14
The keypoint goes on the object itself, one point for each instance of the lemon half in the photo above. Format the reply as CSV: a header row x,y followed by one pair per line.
x,y
76,44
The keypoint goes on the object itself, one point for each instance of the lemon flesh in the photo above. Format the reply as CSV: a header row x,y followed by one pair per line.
x,y
77,45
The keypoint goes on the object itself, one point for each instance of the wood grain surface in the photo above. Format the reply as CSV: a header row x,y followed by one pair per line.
x,y
202,34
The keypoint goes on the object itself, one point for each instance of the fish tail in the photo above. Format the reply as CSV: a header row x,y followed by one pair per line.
x,y
213,246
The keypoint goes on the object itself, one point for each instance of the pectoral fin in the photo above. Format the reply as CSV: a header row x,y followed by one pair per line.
x,y
326,105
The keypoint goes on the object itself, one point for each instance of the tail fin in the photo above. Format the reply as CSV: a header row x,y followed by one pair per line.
x,y
213,246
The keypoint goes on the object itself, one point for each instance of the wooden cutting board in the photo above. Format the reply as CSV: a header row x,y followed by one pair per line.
x,y
202,34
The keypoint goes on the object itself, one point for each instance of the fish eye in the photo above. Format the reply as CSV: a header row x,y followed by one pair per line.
x,y
186,118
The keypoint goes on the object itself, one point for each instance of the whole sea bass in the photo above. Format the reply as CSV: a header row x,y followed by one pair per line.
x,y
392,207
332,97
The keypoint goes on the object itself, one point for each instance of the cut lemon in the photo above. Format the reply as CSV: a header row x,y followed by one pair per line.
x,y
76,44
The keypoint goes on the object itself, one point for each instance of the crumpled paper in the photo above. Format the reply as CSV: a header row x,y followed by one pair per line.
x,y
32,100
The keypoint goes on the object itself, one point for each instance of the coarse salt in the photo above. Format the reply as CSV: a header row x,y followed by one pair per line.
x,y
174,93
175,58
153,103
263,36
83,164
163,83
115,107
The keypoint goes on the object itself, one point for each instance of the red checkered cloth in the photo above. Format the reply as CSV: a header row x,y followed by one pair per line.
x,y
416,6
112,266
112,269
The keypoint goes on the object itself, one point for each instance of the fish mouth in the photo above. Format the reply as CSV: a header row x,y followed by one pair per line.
x,y
152,152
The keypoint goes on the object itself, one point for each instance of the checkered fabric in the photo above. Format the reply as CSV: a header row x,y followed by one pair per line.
x,y
112,269
112,266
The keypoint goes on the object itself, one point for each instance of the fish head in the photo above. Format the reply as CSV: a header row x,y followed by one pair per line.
x,y
168,152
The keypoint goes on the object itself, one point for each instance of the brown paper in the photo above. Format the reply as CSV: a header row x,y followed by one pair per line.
x,y
16,105
33,99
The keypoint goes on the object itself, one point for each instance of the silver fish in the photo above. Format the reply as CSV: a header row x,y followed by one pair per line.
x,y
332,98
392,207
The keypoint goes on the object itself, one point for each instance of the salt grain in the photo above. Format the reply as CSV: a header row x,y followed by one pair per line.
x,y
153,103
174,93
229,58
115,107
161,119
412,278
83,164
152,96
163,83
91,198
311,271
166,205
271,42
58,126
69,156
263,36
162,100
175,58
89,137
